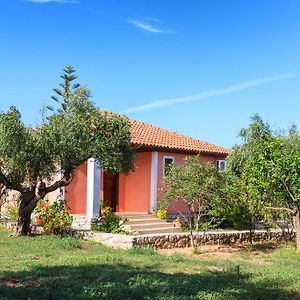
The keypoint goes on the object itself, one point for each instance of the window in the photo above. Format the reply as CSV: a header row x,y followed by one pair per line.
x,y
168,161
221,165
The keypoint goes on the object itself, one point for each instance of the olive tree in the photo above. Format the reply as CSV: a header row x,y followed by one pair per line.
x,y
73,132
269,165
195,183
238,207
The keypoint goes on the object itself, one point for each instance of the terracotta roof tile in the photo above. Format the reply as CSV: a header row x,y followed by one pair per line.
x,y
147,135
150,136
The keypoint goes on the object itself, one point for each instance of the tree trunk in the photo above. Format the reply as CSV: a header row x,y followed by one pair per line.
x,y
191,232
192,239
27,205
251,236
297,229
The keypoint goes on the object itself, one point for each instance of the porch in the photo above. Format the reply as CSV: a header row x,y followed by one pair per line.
x,y
136,222
135,192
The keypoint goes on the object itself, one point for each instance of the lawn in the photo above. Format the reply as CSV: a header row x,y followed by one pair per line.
x,y
48,267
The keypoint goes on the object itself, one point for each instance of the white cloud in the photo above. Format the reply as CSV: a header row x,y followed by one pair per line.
x,y
48,1
153,20
147,26
210,93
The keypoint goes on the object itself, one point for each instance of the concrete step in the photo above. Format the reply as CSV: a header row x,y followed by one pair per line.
x,y
147,224
144,221
160,230
136,216
151,226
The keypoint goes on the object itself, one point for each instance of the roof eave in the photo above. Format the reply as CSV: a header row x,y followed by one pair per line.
x,y
149,147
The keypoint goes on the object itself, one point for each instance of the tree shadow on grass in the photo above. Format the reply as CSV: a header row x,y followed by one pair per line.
x,y
124,281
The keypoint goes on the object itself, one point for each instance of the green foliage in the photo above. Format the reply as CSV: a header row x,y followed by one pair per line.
x,y
70,243
142,251
161,210
197,184
267,165
55,217
104,207
12,209
110,223
161,213
236,207
53,267
73,131
194,182
77,130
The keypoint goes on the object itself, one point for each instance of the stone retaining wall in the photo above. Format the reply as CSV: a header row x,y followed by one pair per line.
x,y
182,240
174,240
120,241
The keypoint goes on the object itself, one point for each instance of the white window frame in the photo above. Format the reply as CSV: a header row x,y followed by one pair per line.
x,y
164,159
218,161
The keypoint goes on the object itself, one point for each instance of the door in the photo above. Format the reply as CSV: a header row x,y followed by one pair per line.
x,y
110,190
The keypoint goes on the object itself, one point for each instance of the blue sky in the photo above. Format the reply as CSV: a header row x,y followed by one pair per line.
x,y
200,68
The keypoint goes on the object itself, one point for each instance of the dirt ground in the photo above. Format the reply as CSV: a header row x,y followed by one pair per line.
x,y
224,252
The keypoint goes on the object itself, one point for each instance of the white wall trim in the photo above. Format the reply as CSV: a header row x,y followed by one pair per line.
x,y
153,186
93,188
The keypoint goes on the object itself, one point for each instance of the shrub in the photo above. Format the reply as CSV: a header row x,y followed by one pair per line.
x,y
161,211
110,223
104,207
12,209
197,185
56,219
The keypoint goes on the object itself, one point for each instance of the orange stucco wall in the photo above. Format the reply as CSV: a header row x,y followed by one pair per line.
x,y
134,188
75,192
178,160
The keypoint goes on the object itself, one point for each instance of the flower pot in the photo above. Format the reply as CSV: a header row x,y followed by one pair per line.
x,y
39,220
177,223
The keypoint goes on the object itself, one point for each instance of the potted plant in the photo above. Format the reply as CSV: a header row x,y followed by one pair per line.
x,y
177,222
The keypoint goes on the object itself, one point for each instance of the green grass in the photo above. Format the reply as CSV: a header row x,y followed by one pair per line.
x,y
48,267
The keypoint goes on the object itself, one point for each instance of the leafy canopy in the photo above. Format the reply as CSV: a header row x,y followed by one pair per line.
x,y
268,163
73,132
194,182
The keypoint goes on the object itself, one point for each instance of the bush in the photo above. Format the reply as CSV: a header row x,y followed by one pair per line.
x,y
161,211
110,223
56,219
105,207
12,209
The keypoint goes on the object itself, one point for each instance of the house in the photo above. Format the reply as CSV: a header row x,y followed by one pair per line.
x,y
138,191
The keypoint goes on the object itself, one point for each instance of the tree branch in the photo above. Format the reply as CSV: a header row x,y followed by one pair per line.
x,y
180,213
281,209
10,185
288,190
43,190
